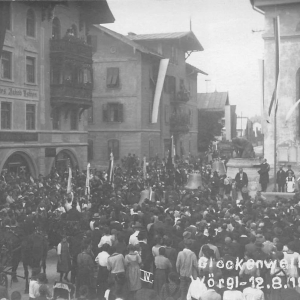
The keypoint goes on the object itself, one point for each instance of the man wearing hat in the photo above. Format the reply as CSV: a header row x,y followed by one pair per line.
x,y
290,171
281,179
264,175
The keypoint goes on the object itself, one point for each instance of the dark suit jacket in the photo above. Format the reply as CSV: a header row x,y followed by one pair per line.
x,y
240,183
281,177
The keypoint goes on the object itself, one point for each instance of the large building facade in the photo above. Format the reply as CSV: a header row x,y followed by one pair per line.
x,y
125,78
46,83
288,132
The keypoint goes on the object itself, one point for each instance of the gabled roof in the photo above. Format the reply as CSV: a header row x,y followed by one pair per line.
x,y
190,41
212,101
193,69
127,41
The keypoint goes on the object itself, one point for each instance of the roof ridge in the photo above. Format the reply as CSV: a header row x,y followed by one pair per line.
x,y
125,39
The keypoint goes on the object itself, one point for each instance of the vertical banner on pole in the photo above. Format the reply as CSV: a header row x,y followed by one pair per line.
x,y
87,182
69,186
111,169
274,100
144,168
163,65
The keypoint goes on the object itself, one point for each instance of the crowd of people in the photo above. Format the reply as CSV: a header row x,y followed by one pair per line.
x,y
174,243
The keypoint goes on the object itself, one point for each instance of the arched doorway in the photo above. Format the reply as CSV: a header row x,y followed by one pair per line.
x,y
19,163
64,159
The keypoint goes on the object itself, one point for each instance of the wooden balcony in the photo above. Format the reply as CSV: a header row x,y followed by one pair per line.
x,y
70,48
74,94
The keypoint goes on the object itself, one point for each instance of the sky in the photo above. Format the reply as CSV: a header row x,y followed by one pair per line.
x,y
225,30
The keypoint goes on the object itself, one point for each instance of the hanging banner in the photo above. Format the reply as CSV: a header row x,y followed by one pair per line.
x,y
163,66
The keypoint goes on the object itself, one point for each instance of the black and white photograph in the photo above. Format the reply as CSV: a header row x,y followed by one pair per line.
x,y
150,150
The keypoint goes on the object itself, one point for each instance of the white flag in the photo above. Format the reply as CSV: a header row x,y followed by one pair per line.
x,y
69,187
144,169
87,182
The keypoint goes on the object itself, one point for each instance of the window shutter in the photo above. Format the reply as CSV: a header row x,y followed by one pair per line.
x,y
105,113
120,112
109,76
115,77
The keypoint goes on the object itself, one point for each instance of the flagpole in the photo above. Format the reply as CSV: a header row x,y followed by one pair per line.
x,y
277,60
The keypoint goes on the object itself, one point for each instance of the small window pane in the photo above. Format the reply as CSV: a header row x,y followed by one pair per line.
x,y
30,117
6,65
30,23
30,69
112,77
5,115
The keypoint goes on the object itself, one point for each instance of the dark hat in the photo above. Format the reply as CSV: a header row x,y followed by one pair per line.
x,y
137,225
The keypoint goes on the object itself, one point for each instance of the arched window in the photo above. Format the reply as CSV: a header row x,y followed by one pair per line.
x,y
74,28
30,23
56,29
114,147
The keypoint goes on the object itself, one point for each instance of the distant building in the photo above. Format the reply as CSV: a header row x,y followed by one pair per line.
x,y
288,133
217,103
126,76
46,82
244,128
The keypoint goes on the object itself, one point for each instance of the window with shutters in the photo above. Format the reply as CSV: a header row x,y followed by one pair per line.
x,y
6,65
30,69
92,41
113,112
112,78
90,150
5,115
114,147
30,23
30,116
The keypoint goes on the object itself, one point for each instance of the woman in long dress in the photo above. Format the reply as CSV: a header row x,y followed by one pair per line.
x,y
133,273
64,258
290,184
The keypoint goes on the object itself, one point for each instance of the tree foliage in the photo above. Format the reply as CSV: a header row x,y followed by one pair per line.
x,y
209,128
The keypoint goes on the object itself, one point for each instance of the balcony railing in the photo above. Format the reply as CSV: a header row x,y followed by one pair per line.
x,y
71,46
72,93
